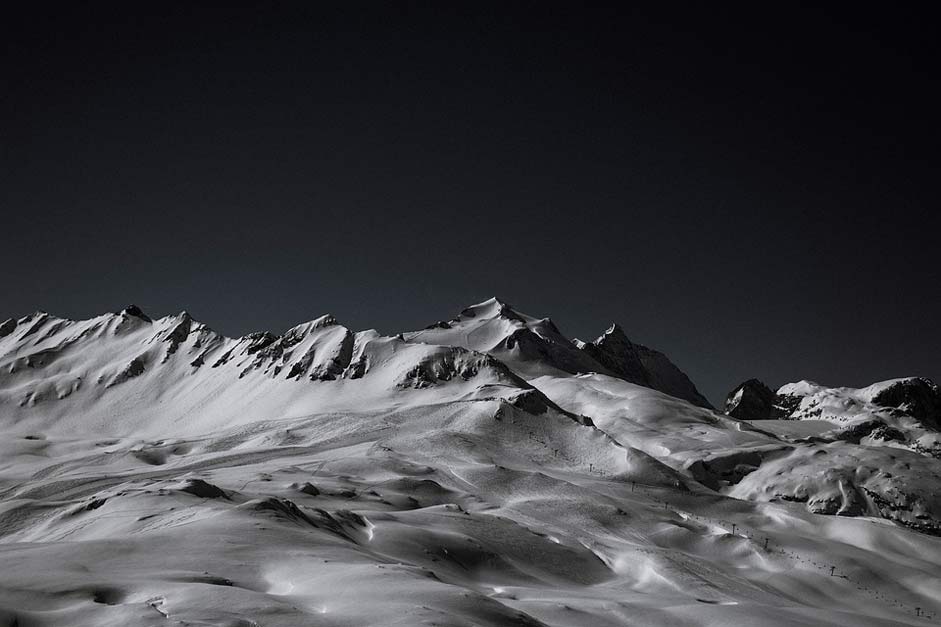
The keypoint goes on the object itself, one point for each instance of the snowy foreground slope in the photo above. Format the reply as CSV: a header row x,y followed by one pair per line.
x,y
487,470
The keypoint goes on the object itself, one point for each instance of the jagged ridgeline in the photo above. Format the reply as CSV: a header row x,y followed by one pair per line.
x,y
177,366
486,470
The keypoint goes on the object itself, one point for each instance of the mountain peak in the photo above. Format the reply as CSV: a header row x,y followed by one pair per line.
x,y
493,307
305,328
136,312
326,320
613,332
641,365
751,400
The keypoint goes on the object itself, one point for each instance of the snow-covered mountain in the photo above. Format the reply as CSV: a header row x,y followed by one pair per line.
x,y
535,346
127,373
174,367
486,470
901,413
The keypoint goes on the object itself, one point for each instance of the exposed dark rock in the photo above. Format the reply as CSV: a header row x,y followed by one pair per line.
x,y
359,368
338,362
785,405
616,352
920,398
532,402
134,369
7,327
309,489
287,510
526,342
178,334
444,368
872,428
300,367
282,508
108,596
752,400
224,359
550,348
39,319
259,341
136,312
641,365
203,489
90,505
330,368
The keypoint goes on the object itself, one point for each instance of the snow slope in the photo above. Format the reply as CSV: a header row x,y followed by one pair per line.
x,y
125,373
485,471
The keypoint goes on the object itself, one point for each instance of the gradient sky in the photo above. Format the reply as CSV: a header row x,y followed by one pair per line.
x,y
753,191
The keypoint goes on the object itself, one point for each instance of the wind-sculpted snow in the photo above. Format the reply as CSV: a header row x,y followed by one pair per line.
x,y
486,471
846,480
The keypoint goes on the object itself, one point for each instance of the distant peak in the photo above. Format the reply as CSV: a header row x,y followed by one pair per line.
x,y
492,308
751,400
496,300
183,316
755,386
613,333
324,321
136,312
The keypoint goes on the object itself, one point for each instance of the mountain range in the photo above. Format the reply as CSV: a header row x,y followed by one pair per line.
x,y
485,470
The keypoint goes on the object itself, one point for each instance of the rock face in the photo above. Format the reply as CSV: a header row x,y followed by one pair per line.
x,y
641,365
752,400
533,346
918,397
136,312
616,352
6,328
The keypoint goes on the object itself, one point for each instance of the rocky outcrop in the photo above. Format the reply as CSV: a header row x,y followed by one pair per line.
x,y
641,365
617,353
178,334
455,363
918,397
752,400
133,369
135,312
7,327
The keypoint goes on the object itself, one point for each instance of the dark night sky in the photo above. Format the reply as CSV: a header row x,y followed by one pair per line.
x,y
753,191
